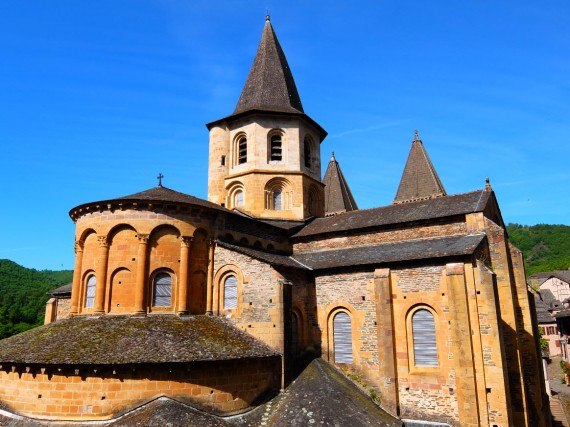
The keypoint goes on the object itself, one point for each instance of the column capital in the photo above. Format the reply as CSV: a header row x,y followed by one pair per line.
x,y
143,238
186,241
103,242
78,246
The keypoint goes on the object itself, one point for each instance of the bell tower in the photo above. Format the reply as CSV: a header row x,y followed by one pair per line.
x,y
265,157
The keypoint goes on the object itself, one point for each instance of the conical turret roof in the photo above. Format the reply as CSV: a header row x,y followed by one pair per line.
x,y
338,197
270,85
419,180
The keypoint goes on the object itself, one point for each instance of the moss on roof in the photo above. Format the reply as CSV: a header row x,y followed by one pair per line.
x,y
110,340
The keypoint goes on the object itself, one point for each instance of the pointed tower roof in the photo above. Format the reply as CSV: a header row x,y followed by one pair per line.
x,y
419,180
338,197
270,85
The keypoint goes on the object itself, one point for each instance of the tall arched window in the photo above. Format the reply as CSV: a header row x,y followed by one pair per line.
x,y
425,344
239,199
342,337
162,290
230,293
276,149
90,291
242,150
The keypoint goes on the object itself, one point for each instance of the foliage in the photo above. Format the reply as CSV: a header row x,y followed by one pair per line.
x,y
545,247
565,367
23,295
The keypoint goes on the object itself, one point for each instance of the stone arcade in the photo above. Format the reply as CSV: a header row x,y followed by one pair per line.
x,y
213,303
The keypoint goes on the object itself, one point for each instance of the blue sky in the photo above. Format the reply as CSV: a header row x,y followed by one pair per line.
x,y
99,97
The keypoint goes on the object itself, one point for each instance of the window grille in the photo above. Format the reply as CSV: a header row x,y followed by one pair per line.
x,y
90,292
242,150
162,295
276,148
425,344
342,336
230,293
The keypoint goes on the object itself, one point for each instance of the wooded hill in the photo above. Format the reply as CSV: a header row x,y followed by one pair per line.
x,y
23,295
545,247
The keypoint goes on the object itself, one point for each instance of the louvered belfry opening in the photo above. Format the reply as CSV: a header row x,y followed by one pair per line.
x,y
425,344
162,295
230,293
276,148
342,336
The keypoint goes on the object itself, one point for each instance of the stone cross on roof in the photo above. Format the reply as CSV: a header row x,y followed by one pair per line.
x,y
159,177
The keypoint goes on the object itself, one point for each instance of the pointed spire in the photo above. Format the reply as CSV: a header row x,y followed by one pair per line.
x,y
338,197
269,85
419,180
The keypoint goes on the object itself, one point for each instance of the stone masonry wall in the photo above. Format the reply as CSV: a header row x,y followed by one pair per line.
x,y
220,387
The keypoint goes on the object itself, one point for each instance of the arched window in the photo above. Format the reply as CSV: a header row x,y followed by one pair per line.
x,y
277,200
342,337
425,344
276,150
239,199
307,152
242,150
162,291
90,291
230,293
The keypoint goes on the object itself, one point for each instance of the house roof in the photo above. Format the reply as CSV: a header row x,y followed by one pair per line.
x,y
338,197
441,207
406,250
62,290
563,275
419,180
542,313
117,340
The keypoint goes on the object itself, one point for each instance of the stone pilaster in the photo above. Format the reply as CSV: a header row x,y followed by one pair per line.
x,y
386,348
462,345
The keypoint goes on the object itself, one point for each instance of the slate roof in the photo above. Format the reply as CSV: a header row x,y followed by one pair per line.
x,y
270,85
320,396
407,250
563,275
338,197
419,180
267,257
117,340
441,207
158,194
62,290
542,313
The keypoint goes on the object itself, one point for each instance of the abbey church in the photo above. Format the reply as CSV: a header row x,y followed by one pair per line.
x,y
214,302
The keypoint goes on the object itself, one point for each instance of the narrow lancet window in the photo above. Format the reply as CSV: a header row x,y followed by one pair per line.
x,y
425,344
230,293
162,295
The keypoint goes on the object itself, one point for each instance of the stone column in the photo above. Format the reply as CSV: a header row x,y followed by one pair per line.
x,y
141,275
210,281
101,275
182,308
76,288
385,339
461,343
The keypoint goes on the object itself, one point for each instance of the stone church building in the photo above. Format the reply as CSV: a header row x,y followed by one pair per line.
x,y
215,302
